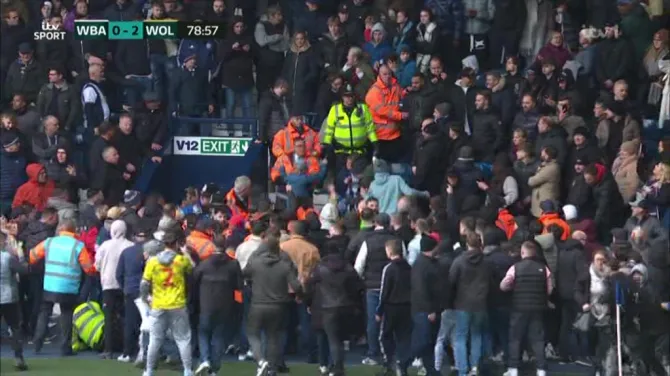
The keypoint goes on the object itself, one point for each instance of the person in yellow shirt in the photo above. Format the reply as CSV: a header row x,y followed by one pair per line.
x,y
164,280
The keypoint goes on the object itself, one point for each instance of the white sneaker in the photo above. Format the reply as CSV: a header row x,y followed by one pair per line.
x,y
202,369
473,372
243,357
262,368
369,362
511,372
417,363
124,358
323,370
541,372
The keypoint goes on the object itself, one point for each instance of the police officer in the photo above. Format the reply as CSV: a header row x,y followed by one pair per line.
x,y
348,128
65,258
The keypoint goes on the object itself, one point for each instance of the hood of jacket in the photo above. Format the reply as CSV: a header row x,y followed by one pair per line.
x,y
499,86
473,257
640,268
219,259
296,49
33,171
118,229
166,257
546,241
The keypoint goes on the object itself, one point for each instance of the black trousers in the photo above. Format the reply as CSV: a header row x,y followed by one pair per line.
x,y
11,312
112,306
337,324
527,327
395,336
66,311
131,326
271,320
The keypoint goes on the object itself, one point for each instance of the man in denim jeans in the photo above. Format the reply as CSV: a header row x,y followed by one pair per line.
x,y
216,278
425,304
471,282
165,280
369,264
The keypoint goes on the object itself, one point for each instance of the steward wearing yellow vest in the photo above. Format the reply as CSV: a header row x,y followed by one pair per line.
x,y
349,127
65,259
88,326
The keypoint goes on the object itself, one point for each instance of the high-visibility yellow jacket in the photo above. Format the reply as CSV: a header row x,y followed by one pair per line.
x,y
88,326
349,133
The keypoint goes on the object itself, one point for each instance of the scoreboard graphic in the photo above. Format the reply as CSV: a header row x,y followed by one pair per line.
x,y
159,29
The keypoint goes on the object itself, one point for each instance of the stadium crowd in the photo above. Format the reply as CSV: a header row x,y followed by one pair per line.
x,y
494,194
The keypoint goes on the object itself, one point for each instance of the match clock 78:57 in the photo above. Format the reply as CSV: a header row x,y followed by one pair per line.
x,y
200,30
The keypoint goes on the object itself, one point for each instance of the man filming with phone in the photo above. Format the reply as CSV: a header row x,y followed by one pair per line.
x,y
566,118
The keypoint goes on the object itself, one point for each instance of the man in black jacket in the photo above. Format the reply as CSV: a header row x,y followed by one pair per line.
x,y
151,122
338,288
425,304
497,339
428,165
395,310
570,265
215,280
370,263
25,75
471,283
530,283
273,278
487,132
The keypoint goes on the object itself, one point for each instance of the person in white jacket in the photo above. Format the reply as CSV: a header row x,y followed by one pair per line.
x,y
106,260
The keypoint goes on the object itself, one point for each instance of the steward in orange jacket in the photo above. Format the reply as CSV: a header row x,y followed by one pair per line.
x,y
507,223
383,100
238,198
548,219
200,239
283,141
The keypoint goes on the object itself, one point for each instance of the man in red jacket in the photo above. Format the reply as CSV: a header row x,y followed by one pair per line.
x,y
37,190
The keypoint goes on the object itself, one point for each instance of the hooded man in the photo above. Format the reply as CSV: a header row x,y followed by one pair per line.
x,y
37,190
387,188
107,258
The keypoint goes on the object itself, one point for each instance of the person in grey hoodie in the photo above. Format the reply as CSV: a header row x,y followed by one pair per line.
x,y
60,200
273,279
10,266
106,261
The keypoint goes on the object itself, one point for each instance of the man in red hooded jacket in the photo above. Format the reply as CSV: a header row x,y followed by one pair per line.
x,y
37,190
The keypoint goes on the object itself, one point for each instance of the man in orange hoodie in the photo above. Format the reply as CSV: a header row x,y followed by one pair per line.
x,y
37,190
